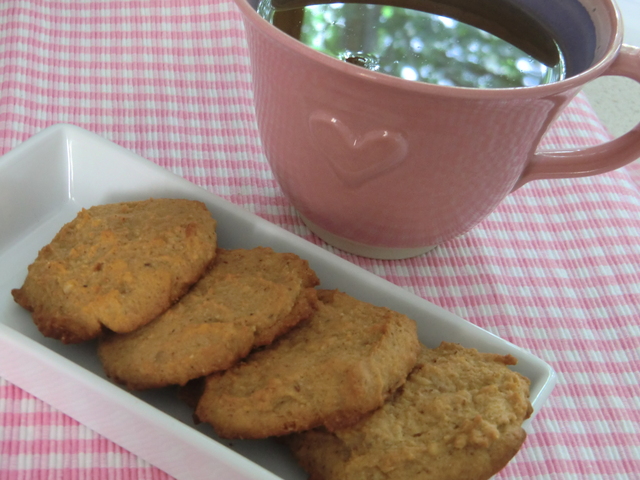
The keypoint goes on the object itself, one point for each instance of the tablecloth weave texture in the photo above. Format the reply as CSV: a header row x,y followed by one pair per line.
x,y
555,269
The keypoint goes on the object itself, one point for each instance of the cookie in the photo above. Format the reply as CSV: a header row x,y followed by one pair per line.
x,y
458,416
117,266
330,370
246,300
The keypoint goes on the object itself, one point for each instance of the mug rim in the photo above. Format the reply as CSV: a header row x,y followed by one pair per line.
x,y
595,70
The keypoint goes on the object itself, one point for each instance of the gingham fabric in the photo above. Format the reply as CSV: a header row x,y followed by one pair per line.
x,y
555,269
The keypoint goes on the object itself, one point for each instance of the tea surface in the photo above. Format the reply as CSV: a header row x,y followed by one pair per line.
x,y
421,45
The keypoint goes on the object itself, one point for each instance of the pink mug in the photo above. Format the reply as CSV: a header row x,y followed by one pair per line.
x,y
389,168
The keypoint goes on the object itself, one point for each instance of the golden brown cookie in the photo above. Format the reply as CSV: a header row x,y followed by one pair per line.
x,y
117,266
330,370
246,300
458,417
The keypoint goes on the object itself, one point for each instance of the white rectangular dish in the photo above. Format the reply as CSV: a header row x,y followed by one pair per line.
x,y
43,184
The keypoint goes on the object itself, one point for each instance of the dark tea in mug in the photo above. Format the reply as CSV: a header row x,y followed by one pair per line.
x,y
477,44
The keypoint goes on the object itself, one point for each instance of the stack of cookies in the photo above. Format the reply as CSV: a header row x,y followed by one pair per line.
x,y
262,352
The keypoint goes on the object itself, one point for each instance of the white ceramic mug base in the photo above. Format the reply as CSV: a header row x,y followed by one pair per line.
x,y
349,246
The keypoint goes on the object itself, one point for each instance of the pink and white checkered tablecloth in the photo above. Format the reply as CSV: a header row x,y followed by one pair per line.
x,y
555,270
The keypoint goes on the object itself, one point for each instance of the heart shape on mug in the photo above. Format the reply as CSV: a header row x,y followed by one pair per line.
x,y
356,158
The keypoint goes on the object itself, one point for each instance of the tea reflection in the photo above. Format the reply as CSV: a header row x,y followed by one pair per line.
x,y
418,45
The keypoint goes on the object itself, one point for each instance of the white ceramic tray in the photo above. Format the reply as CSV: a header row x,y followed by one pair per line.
x,y
43,184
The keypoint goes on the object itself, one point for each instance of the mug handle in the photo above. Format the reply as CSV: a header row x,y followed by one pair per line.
x,y
597,159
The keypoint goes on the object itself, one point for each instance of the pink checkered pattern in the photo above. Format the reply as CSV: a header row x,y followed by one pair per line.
x,y
555,269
